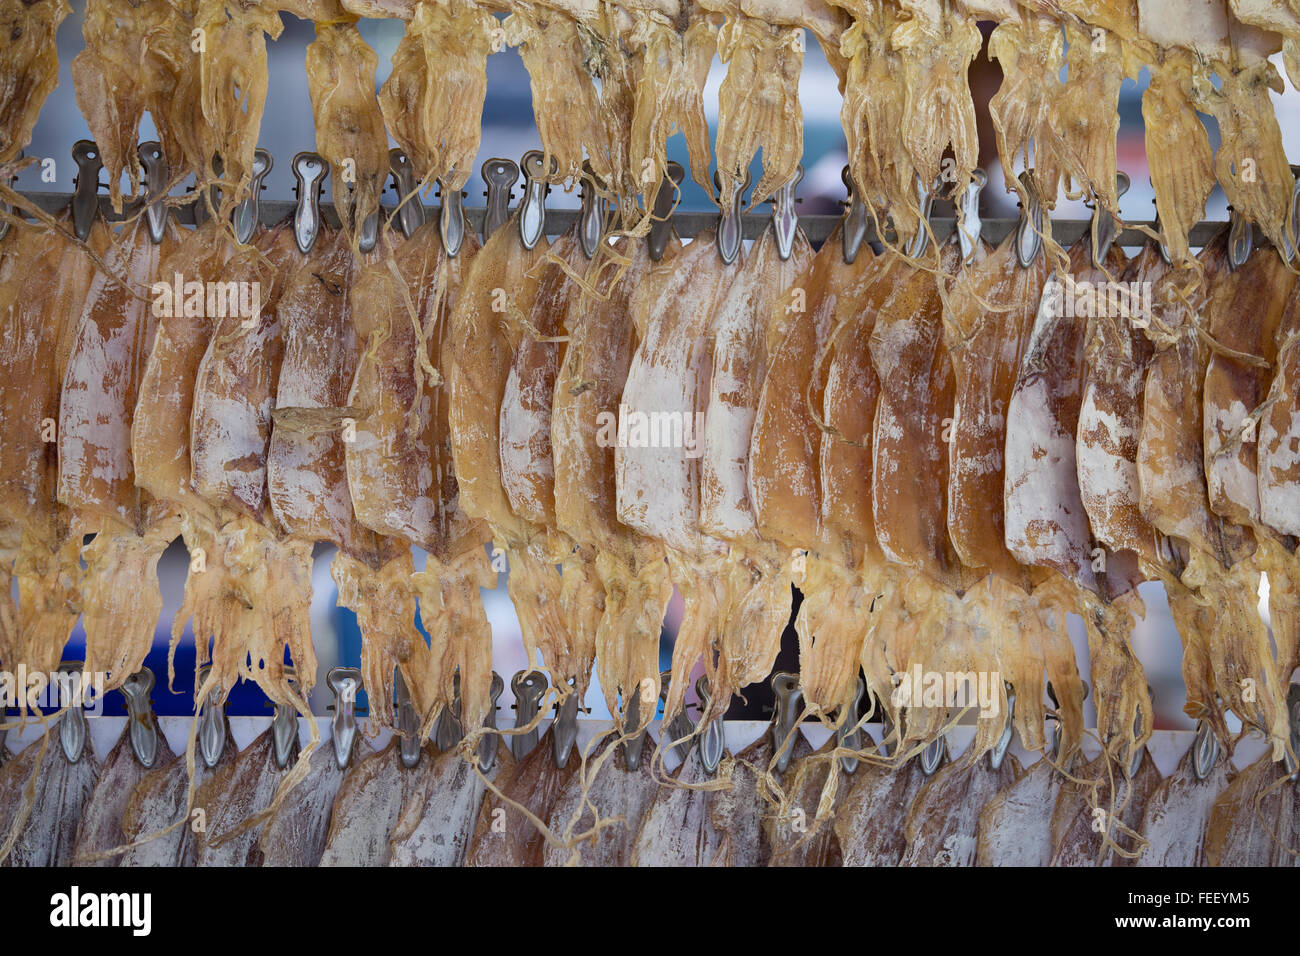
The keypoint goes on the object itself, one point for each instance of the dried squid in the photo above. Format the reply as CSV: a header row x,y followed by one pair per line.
x,y
1174,494
527,466
235,79
563,57
1046,523
873,112
442,809
156,822
988,318
399,466
100,827
249,590
882,793
1250,162
745,330
240,789
943,822
307,477
1256,820
1177,149
487,327
1085,113
96,470
295,834
938,110
786,472
801,832
129,65
349,128
758,103
1244,314
848,411
720,826
368,806
432,101
61,788
1015,826
601,810
1177,814
45,278
659,488
202,419
31,59
675,55
1030,52
506,836
603,338
1095,821
949,611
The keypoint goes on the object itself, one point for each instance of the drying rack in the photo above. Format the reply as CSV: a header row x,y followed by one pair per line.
x,y
687,223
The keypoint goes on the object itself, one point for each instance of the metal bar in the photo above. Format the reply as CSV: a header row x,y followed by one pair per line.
x,y
687,223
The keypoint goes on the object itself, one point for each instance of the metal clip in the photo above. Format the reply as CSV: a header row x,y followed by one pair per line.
x,y
451,219
591,218
1106,226
155,177
788,694
564,733
855,219
932,755
199,204
1055,737
680,727
662,226
886,727
344,682
248,212
1241,239
999,751
85,198
487,748
1292,232
368,236
1293,711
925,200
213,726
848,735
969,225
1029,231
447,731
785,219
4,231
712,743
730,228
72,725
529,687
1163,247
142,725
284,726
310,170
1056,705
500,176
635,743
1205,750
410,211
408,724
532,208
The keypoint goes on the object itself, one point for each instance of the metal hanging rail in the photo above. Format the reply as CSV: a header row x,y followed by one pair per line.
x,y
687,223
